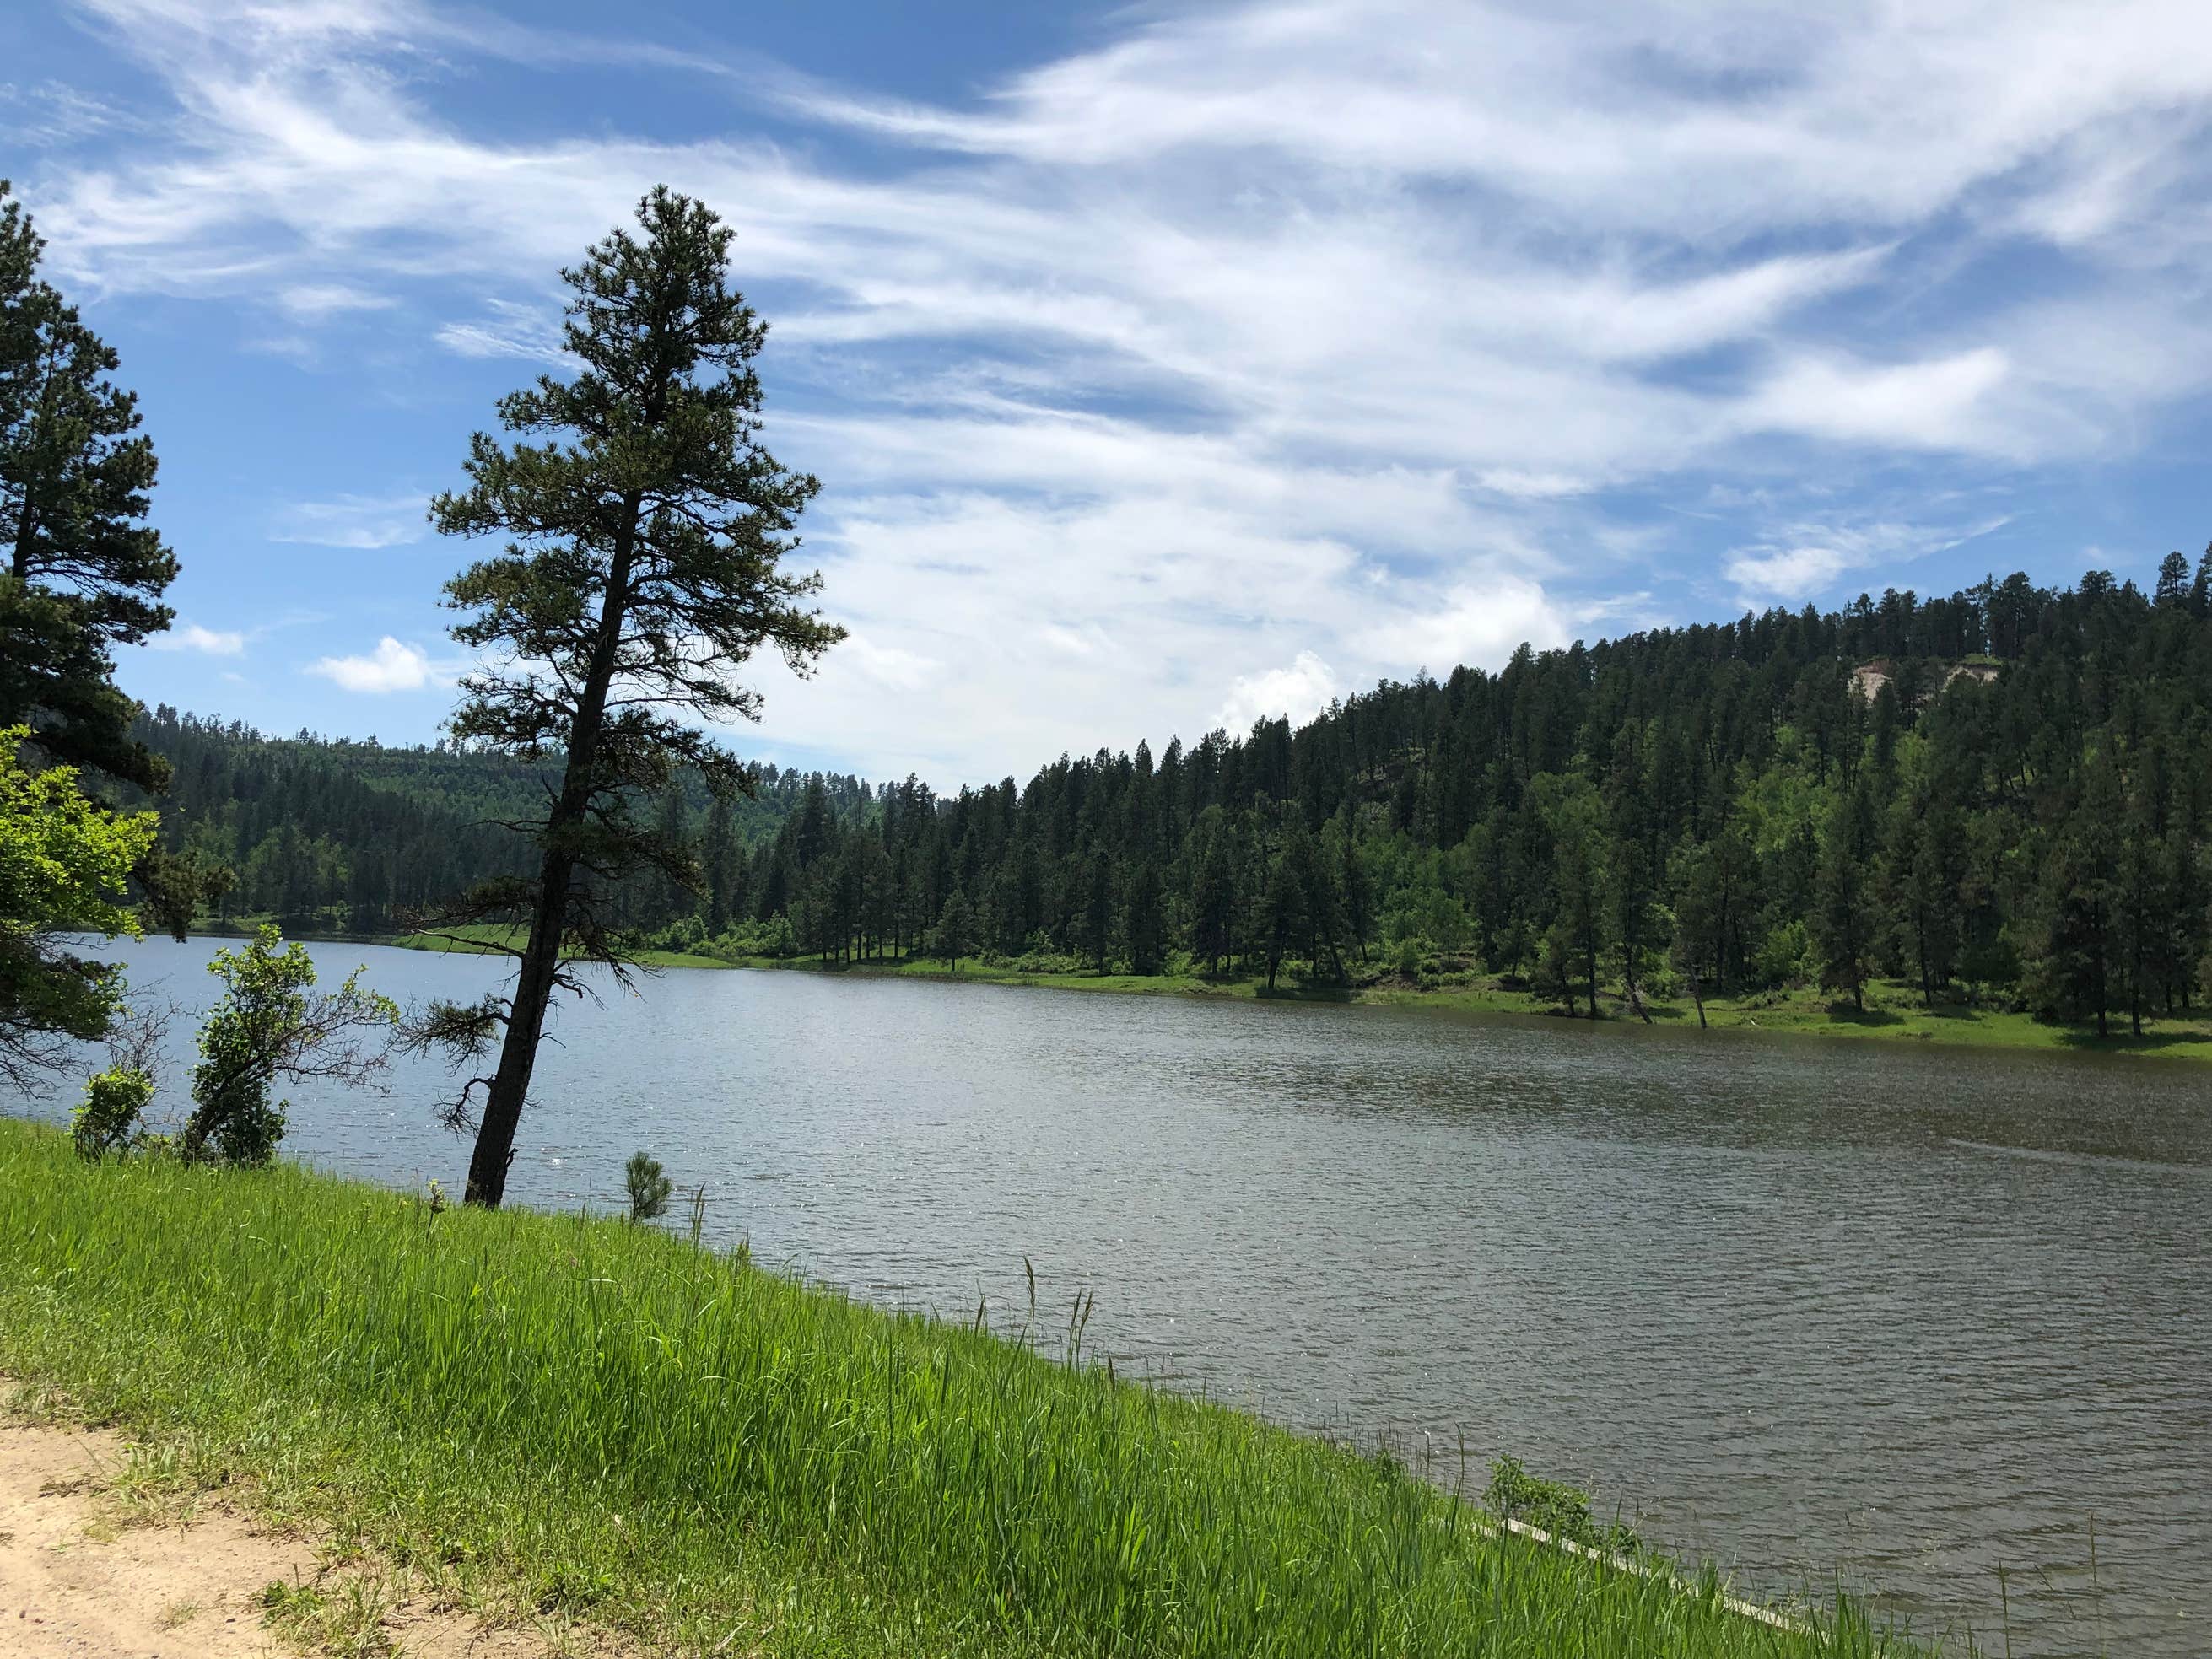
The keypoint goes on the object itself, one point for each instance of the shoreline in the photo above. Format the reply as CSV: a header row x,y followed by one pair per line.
x,y
606,1422
1893,1014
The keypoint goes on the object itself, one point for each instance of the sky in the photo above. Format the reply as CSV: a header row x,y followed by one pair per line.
x,y
1164,366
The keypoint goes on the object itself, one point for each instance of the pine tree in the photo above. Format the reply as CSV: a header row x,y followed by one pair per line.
x,y
2143,894
1145,923
2083,944
956,929
1574,817
1357,888
1213,896
85,572
1920,876
2171,592
649,529
1283,913
1844,928
1630,893
1098,878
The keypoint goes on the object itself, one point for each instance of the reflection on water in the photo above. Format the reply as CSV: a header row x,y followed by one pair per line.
x,y
1789,1304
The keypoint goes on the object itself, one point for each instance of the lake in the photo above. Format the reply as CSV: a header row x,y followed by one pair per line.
x,y
1787,1304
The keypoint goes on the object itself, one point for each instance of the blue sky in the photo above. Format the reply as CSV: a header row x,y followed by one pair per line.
x,y
1164,366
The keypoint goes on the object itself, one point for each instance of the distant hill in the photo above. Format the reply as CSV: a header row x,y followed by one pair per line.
x,y
2002,793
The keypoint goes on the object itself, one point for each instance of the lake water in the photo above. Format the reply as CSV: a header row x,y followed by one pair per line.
x,y
1787,1303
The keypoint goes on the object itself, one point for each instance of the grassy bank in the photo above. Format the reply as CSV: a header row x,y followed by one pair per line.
x,y
605,1420
1892,1010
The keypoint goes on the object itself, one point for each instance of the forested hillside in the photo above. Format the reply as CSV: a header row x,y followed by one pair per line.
x,y
331,834
2002,794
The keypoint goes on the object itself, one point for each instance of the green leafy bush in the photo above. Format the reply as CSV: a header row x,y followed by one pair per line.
x,y
268,1027
109,1120
1562,1510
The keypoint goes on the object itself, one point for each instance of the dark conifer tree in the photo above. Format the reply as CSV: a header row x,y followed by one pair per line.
x,y
1843,924
648,530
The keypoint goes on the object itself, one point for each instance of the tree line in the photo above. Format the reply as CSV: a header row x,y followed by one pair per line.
x,y
2000,795
347,836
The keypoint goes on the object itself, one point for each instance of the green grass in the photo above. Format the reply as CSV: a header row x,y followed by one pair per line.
x,y
619,1427
1893,1011
478,939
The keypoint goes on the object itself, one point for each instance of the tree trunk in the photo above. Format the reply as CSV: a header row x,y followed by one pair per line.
x,y
1698,996
518,1054
541,955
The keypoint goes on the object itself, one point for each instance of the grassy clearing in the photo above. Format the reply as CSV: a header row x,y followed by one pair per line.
x,y
1892,1011
478,939
604,1421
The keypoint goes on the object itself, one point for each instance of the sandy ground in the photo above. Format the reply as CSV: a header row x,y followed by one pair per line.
x,y
74,1584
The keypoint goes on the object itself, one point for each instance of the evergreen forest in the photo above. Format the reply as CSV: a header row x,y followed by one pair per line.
x,y
2002,797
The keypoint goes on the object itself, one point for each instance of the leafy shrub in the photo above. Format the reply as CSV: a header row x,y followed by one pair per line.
x,y
268,1027
1786,956
773,938
1562,1510
109,1120
685,933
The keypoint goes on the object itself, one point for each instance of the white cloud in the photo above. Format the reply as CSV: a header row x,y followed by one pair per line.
x,y
510,330
190,637
1479,625
1937,405
391,667
1806,559
1793,573
361,522
1378,383
313,301
889,666
52,116
1300,691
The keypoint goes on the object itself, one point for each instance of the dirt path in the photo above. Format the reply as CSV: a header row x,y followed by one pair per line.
x,y
73,1584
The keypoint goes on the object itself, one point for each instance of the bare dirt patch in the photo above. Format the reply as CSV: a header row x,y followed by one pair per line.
x,y
78,1578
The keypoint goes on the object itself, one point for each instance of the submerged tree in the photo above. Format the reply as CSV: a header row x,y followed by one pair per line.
x,y
648,530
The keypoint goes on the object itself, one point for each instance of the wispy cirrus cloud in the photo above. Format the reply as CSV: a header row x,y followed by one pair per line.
x,y
1143,394
1807,559
361,522
508,328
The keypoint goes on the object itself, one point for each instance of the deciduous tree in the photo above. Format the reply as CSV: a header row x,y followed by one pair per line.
x,y
65,864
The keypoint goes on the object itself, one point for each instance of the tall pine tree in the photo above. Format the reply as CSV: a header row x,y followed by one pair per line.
x,y
648,530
